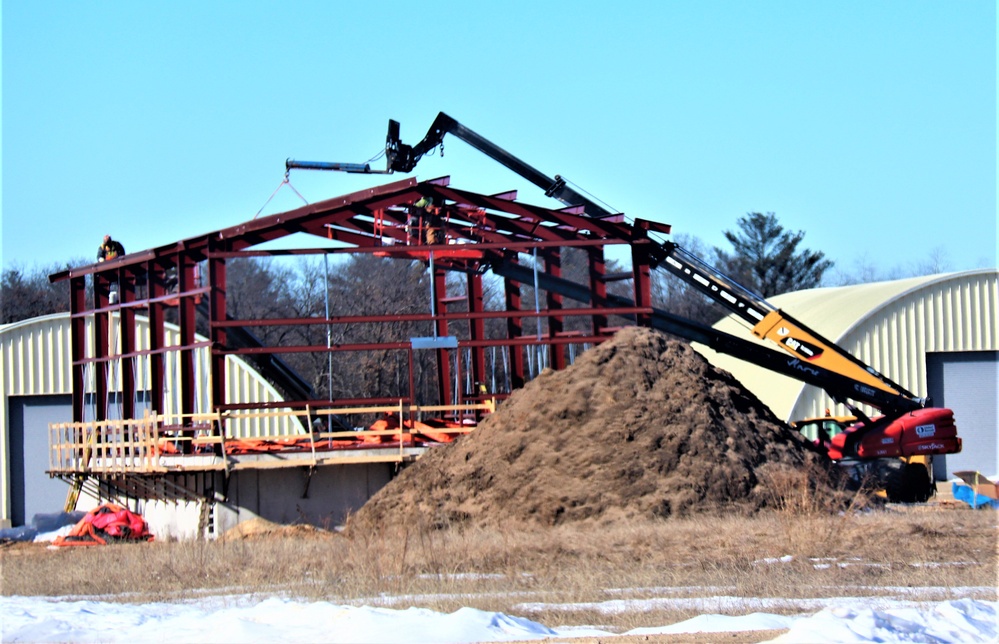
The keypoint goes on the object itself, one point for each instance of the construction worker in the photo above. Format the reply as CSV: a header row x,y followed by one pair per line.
x,y
109,249
429,215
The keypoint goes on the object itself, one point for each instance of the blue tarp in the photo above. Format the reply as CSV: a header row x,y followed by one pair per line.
x,y
968,495
40,524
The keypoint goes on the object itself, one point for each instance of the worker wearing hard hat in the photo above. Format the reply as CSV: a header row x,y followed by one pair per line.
x,y
109,249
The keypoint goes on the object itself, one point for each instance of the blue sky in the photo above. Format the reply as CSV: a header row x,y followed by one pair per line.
x,y
869,125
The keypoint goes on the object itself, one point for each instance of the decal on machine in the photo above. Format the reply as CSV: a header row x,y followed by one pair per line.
x,y
797,364
807,349
925,431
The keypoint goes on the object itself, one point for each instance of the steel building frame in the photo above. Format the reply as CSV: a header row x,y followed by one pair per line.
x,y
481,233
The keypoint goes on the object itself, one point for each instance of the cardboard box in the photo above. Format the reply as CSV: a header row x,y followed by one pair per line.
x,y
981,485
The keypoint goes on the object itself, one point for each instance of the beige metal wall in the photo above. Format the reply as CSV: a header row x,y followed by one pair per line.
x,y
889,325
35,360
958,313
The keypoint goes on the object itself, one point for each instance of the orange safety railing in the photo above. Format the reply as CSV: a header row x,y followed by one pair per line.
x,y
111,447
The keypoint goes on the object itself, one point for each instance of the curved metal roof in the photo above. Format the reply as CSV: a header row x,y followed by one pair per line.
x,y
889,325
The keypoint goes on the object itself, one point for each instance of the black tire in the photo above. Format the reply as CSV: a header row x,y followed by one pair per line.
x,y
909,484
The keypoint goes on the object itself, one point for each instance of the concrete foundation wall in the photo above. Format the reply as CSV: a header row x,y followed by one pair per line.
x,y
291,495
285,496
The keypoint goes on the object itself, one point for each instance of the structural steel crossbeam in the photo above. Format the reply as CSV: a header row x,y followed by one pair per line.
x,y
480,232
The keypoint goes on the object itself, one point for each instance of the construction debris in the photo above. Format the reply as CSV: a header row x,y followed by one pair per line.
x,y
257,528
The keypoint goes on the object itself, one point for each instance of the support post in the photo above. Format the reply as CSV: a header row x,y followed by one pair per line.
x,y
126,331
598,287
514,330
444,384
186,321
157,339
477,331
78,338
642,270
101,350
217,335
556,323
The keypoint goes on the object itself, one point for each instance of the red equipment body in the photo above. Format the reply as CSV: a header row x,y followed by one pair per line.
x,y
926,431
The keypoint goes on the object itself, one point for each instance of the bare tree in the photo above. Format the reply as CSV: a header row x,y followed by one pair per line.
x,y
370,285
864,270
28,293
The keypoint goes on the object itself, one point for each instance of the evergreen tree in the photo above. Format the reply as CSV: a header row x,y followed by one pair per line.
x,y
766,257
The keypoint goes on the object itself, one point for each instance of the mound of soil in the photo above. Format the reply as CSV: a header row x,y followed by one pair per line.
x,y
639,426
262,528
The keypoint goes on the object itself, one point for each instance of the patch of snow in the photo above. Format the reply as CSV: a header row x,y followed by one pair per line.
x,y
964,620
248,618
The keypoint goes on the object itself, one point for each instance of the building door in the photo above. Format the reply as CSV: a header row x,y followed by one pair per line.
x,y
31,490
968,383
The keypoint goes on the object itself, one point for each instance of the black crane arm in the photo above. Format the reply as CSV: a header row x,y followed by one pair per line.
x,y
401,157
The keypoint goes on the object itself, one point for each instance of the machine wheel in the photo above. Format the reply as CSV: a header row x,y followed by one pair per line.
x,y
909,484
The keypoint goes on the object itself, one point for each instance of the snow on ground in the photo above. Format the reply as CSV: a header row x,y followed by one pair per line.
x,y
245,618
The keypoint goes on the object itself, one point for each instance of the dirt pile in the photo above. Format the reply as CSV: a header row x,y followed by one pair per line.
x,y
262,528
639,426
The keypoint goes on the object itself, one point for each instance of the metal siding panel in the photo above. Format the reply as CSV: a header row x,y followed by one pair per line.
x,y
39,379
24,364
16,375
4,463
910,379
970,386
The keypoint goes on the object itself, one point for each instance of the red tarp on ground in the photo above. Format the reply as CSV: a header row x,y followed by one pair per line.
x,y
107,523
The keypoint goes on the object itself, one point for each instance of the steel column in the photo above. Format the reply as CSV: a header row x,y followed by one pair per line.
x,y
514,330
641,265
78,339
157,336
598,287
101,350
186,321
556,323
443,355
126,331
476,332
217,333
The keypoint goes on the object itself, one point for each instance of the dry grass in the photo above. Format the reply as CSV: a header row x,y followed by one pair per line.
x,y
536,572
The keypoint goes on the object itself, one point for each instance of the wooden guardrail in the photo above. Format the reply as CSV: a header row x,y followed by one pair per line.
x,y
130,446
110,447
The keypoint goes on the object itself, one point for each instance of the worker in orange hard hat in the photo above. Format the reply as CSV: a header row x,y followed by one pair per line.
x,y
109,249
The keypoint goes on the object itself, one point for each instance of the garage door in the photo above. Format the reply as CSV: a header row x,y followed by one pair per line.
x,y
968,383
31,490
